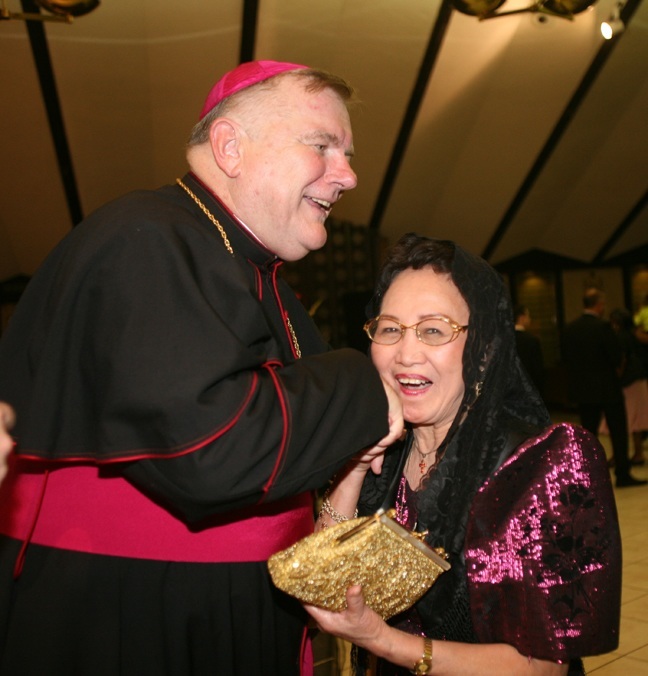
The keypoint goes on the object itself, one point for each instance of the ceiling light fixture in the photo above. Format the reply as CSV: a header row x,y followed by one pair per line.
x,y
487,9
614,25
59,10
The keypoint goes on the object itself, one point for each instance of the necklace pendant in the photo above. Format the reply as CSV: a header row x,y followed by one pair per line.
x,y
422,465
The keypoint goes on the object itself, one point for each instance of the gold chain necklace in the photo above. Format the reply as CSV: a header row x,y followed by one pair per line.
x,y
209,215
228,246
293,335
423,462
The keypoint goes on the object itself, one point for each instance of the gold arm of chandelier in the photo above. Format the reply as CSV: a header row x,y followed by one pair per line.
x,y
59,10
488,9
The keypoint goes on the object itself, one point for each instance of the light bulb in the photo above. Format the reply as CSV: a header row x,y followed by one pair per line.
x,y
613,26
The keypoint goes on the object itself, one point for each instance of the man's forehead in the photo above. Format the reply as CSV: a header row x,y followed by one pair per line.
x,y
290,109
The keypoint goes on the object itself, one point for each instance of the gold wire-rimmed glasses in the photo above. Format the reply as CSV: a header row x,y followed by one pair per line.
x,y
435,330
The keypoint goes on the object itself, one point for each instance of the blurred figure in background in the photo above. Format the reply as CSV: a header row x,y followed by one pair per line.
x,y
594,359
634,381
641,316
529,348
641,331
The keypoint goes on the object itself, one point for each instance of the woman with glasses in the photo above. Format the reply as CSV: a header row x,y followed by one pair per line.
x,y
524,509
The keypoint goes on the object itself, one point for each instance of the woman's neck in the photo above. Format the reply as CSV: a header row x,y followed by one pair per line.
x,y
423,454
428,438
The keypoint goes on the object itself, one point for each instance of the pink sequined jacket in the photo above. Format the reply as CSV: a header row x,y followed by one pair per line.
x,y
543,550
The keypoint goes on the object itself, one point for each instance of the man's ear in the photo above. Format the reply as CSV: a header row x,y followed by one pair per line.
x,y
225,142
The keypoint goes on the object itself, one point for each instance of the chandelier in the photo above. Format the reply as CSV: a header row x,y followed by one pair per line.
x,y
58,10
488,9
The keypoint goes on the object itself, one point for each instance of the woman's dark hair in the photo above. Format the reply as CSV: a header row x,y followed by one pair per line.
x,y
412,252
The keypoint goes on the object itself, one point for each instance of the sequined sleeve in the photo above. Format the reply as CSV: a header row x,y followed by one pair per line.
x,y
543,550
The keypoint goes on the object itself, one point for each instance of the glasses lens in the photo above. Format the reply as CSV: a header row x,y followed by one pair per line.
x,y
384,331
435,331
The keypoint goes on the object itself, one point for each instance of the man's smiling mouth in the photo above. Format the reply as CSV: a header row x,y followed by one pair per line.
x,y
323,204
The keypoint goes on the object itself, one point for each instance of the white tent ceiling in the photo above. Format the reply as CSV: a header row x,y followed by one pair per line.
x,y
517,133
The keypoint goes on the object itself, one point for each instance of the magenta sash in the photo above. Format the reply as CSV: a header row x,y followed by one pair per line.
x,y
73,507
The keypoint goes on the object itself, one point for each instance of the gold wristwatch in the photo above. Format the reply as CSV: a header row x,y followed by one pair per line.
x,y
424,665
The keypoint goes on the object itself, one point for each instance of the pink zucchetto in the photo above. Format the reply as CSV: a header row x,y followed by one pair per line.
x,y
245,75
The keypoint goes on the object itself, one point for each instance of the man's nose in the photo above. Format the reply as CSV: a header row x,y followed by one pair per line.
x,y
342,173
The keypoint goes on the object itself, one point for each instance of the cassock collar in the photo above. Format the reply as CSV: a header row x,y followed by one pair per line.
x,y
244,242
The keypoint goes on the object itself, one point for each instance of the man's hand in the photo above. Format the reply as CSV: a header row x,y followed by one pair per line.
x,y
396,425
7,420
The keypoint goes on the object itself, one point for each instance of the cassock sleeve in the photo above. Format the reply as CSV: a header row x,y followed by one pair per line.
x,y
246,466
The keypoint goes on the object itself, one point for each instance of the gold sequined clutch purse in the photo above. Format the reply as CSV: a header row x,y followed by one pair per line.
x,y
394,566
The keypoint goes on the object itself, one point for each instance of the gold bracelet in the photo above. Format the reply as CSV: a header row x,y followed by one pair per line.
x,y
327,508
424,665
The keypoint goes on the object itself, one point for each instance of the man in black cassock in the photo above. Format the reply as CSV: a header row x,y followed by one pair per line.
x,y
176,406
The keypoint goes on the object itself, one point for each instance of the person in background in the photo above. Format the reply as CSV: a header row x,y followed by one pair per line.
x,y
7,421
529,347
177,408
594,360
641,331
641,316
634,381
524,509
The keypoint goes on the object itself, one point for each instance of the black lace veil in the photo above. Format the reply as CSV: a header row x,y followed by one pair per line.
x,y
499,403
